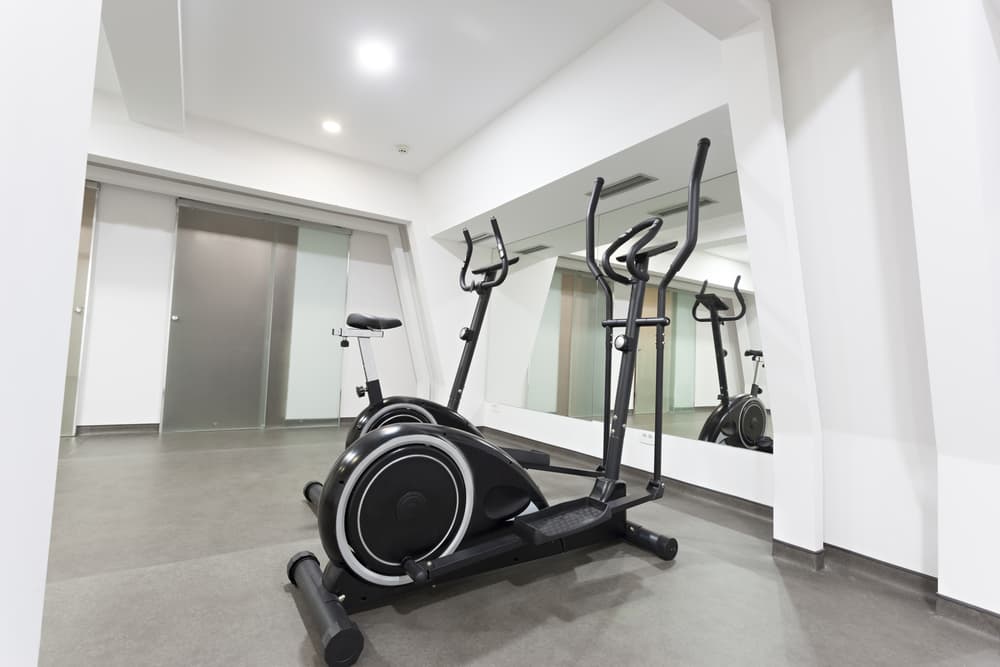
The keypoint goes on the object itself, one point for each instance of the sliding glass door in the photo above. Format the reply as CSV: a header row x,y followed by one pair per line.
x,y
254,300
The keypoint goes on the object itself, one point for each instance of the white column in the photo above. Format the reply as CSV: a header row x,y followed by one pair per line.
x,y
847,159
48,50
949,70
765,189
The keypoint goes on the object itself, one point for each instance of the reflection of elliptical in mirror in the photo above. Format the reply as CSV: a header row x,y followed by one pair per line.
x,y
740,421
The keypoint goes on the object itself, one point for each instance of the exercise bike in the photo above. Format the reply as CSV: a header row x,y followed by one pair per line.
x,y
740,420
408,506
383,411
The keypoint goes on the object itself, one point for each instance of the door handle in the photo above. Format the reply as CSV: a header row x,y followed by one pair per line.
x,y
174,318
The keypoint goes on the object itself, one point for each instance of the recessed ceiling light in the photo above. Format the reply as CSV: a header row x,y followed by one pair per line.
x,y
376,56
332,126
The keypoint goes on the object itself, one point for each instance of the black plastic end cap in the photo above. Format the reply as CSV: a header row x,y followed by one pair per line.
x,y
294,562
666,548
345,647
309,485
416,571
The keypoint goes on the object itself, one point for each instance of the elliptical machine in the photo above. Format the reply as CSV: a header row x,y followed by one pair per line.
x,y
382,411
413,505
739,421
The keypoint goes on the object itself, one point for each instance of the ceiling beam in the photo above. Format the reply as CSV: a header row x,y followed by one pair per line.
x,y
722,18
145,42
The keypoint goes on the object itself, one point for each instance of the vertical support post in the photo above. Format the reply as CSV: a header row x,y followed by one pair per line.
x,y
616,441
661,334
720,358
471,337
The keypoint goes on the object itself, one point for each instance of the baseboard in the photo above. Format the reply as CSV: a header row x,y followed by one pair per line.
x,y
830,557
842,560
118,429
967,614
814,560
309,423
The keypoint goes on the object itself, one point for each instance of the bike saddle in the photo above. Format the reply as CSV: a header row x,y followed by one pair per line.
x,y
373,322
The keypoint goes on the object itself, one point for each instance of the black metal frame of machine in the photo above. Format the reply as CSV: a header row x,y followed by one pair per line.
x,y
412,505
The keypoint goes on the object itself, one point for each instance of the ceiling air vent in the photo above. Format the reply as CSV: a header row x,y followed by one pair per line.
x,y
625,184
680,208
532,249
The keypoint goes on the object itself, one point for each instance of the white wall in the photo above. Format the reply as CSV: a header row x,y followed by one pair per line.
x,y
948,56
840,93
756,114
49,51
128,310
210,155
127,323
599,104
511,329
222,154
318,305
372,288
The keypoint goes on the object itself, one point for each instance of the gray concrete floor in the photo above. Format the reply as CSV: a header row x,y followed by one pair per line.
x,y
171,551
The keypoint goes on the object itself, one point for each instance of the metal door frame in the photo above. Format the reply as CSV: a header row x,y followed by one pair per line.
x,y
85,325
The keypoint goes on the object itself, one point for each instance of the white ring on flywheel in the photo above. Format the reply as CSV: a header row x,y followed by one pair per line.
x,y
396,407
347,553
361,504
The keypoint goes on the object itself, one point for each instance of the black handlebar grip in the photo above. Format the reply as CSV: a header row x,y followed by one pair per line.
x,y
743,303
467,287
694,203
653,226
504,264
595,197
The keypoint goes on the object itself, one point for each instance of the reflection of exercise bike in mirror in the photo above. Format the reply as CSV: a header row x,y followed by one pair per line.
x,y
740,420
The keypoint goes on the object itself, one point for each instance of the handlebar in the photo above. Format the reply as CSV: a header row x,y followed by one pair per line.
x,y
694,201
651,226
595,197
503,265
731,318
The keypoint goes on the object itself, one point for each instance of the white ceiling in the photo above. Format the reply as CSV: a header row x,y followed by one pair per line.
x,y
281,68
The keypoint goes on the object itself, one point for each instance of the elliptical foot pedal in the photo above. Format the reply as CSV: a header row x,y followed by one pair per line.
x,y
562,520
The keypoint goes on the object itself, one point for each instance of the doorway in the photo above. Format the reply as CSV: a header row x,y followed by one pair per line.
x,y
68,427
254,299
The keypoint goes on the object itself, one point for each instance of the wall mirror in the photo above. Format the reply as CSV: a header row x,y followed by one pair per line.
x,y
545,341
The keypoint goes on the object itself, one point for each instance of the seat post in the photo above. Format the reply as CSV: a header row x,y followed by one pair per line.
x,y
372,384
720,357
373,388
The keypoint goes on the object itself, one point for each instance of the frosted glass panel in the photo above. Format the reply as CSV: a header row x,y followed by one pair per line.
x,y
319,299
682,341
543,370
